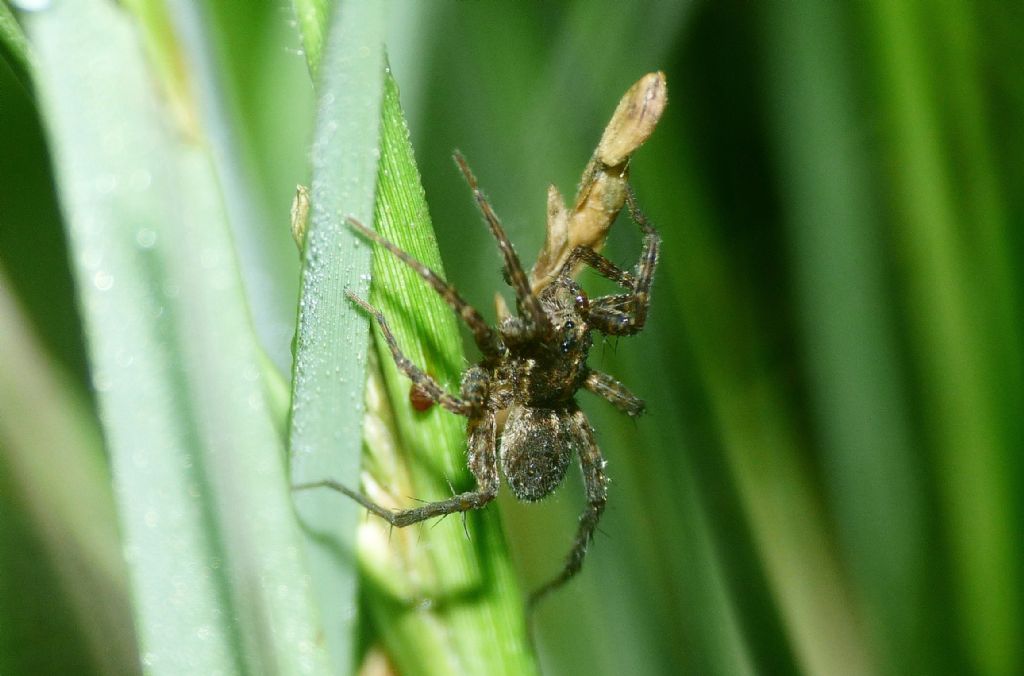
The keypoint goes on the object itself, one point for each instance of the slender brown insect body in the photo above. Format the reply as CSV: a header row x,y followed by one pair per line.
x,y
532,365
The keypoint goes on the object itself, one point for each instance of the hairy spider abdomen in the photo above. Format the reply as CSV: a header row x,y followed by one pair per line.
x,y
536,448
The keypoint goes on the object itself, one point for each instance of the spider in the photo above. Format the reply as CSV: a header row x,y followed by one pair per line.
x,y
533,363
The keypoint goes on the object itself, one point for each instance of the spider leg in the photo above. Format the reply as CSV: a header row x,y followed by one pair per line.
x,y
603,266
536,322
482,462
617,394
485,338
421,379
606,313
596,484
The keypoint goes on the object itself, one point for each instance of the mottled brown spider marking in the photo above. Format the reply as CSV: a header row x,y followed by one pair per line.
x,y
533,364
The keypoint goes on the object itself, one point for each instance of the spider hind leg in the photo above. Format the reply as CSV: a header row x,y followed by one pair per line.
x,y
596,484
482,463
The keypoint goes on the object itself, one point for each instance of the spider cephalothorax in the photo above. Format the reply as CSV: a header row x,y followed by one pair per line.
x,y
533,364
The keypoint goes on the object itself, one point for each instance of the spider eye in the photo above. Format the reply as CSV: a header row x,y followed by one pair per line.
x,y
570,325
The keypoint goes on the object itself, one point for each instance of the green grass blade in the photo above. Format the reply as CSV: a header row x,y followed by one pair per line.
x,y
311,16
217,577
857,395
13,40
270,269
474,621
54,479
949,313
332,338
753,427
489,633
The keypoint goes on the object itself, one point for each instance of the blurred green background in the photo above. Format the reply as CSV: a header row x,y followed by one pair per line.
x,y
830,476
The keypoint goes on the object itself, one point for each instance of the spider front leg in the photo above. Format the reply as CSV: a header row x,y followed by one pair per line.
x,y
423,380
534,321
483,464
596,484
626,314
485,338
603,266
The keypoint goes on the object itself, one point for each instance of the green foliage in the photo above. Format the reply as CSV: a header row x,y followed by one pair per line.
x,y
476,615
828,479
329,372
205,515
13,39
